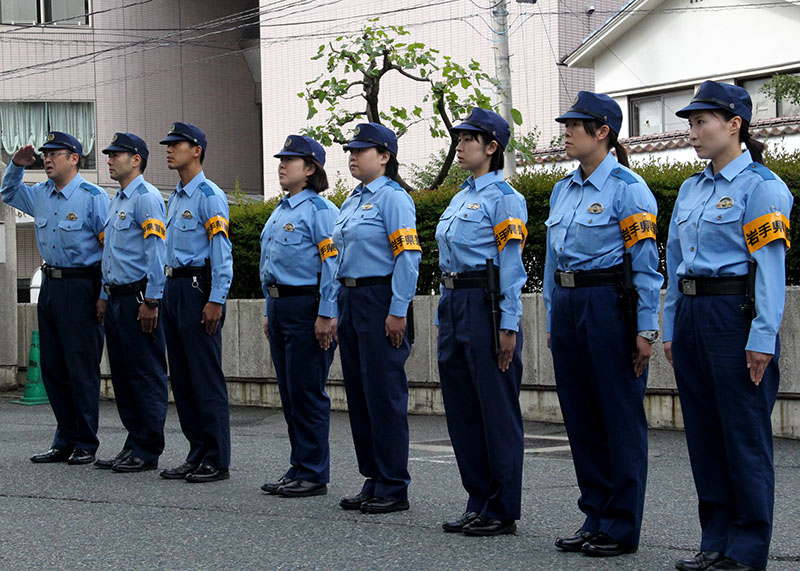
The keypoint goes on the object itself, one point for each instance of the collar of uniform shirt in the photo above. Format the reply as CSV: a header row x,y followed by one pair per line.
x,y
732,169
374,185
70,187
598,178
482,182
189,189
128,190
301,196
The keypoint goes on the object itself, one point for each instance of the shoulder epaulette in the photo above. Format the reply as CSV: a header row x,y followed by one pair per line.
x,y
318,203
762,171
395,185
141,189
206,188
624,176
505,188
93,190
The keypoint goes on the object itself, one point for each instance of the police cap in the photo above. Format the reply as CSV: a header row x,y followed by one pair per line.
x,y
594,106
368,135
127,143
59,140
487,122
302,146
713,95
185,132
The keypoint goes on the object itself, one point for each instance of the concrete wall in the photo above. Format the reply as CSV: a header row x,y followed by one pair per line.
x,y
251,376
8,293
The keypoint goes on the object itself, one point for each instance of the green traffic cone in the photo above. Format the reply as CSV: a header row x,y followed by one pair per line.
x,y
34,388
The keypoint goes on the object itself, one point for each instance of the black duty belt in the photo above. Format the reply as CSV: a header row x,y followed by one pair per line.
x,y
183,271
279,290
125,289
735,285
370,281
463,280
85,272
589,278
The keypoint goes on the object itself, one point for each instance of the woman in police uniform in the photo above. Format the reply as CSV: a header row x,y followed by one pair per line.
x,y
480,367
297,275
721,329
601,259
377,268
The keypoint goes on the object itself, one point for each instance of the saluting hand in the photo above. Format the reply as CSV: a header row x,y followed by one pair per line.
x,y
757,363
212,313
643,353
325,330
395,327
507,345
101,310
25,156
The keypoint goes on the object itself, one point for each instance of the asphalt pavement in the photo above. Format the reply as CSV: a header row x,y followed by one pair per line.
x,y
56,516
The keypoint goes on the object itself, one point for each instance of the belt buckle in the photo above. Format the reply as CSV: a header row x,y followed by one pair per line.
x,y
567,279
273,291
349,282
168,271
688,287
107,289
449,282
55,273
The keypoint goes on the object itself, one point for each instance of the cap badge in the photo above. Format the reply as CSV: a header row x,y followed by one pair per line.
x,y
575,101
473,206
367,206
288,142
50,137
122,215
725,202
595,208
174,127
731,105
289,227
72,216
114,138
186,214
357,131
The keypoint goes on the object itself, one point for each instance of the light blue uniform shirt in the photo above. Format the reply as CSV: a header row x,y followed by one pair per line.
x,y
69,222
129,256
583,232
706,239
294,240
466,237
189,210
370,215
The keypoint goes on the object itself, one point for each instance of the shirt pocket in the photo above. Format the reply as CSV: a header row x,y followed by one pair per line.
x,y
121,226
596,234
369,224
444,222
471,226
721,230
186,234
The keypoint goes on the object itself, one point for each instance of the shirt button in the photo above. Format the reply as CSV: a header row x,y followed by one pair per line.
x,y
691,249
691,272
719,217
561,249
590,221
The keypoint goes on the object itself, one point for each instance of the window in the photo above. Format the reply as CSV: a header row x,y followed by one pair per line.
x,y
763,106
656,113
52,12
28,124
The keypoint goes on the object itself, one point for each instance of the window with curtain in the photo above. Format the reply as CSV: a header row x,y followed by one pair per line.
x,y
27,123
55,12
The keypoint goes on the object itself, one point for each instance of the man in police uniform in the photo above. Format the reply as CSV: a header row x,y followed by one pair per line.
x,y
69,213
199,272
133,283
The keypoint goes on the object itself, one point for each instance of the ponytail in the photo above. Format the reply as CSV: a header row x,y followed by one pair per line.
x,y
755,147
622,154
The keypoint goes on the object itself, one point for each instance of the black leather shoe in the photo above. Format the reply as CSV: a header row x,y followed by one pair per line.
x,y
134,464
457,525
484,527
208,473
700,562
603,545
272,487
52,455
302,489
353,502
574,543
382,506
80,456
728,564
107,464
180,472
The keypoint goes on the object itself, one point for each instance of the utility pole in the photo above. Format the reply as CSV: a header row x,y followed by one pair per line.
x,y
503,71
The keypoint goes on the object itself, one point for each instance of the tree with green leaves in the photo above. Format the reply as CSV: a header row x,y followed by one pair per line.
x,y
357,64
783,87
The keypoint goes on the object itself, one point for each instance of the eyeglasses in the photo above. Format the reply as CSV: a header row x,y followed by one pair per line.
x,y
53,154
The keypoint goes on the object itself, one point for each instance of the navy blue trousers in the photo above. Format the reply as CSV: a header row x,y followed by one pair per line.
x,y
602,402
728,427
481,404
195,367
302,369
377,390
139,375
71,345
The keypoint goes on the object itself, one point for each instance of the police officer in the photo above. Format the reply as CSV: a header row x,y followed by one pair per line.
x,y
199,273
69,213
377,267
725,261
297,274
484,225
601,260
133,284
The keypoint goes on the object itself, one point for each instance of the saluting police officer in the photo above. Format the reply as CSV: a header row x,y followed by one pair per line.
x,y
601,291
480,365
377,267
69,213
726,255
133,284
199,273
298,262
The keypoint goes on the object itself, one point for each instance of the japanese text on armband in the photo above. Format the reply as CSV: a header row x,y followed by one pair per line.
x,y
765,229
638,227
216,224
154,226
404,239
327,249
510,229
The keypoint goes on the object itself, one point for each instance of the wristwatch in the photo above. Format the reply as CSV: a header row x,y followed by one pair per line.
x,y
152,303
508,331
650,334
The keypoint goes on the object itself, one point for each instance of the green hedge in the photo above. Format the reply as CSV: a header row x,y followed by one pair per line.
x,y
664,179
